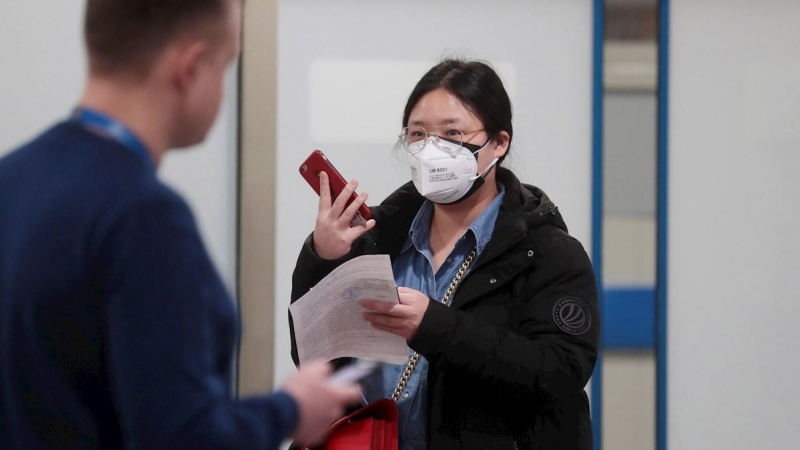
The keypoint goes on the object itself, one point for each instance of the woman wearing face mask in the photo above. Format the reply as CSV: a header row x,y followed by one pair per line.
x,y
498,303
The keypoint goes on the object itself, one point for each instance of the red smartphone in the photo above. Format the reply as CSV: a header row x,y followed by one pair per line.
x,y
316,163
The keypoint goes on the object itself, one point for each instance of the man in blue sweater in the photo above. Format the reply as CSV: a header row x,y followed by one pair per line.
x,y
115,329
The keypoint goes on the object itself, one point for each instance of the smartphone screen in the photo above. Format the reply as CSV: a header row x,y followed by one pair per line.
x,y
317,162
354,371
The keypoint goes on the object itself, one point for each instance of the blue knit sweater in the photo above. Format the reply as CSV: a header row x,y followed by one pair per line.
x,y
115,329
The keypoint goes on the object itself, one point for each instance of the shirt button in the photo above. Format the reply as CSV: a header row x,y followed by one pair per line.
x,y
449,260
530,253
493,281
405,395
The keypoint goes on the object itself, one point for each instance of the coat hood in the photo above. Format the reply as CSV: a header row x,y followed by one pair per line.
x,y
528,202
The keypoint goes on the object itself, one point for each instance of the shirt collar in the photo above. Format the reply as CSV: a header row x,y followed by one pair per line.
x,y
482,227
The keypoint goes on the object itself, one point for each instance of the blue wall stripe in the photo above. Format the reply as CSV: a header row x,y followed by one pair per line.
x,y
663,210
629,316
597,205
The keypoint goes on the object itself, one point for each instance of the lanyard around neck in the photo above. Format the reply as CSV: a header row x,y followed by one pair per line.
x,y
106,126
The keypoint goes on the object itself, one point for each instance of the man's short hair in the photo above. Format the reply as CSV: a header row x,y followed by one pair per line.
x,y
124,36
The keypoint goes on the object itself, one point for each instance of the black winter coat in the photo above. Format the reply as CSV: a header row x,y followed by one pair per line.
x,y
509,359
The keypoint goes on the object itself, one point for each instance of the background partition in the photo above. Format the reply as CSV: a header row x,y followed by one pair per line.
x,y
256,238
734,247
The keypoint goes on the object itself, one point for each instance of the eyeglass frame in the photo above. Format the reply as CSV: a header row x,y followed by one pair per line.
x,y
469,146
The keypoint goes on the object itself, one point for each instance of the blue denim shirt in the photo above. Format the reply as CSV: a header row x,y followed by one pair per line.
x,y
413,268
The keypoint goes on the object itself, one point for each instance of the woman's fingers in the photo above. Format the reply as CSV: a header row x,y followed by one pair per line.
x,y
352,208
324,192
339,203
333,235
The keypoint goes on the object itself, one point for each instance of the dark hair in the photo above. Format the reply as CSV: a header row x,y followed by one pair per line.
x,y
124,36
478,88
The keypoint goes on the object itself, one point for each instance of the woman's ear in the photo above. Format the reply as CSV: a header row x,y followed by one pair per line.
x,y
501,142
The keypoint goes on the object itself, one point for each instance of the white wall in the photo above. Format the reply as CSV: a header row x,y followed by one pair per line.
x,y
42,65
42,68
206,175
734,216
346,68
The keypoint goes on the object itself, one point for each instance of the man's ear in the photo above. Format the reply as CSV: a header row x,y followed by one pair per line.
x,y
186,63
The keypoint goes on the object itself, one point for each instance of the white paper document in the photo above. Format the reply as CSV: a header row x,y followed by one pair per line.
x,y
328,321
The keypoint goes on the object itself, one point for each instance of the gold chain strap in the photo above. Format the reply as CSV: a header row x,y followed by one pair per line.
x,y
401,385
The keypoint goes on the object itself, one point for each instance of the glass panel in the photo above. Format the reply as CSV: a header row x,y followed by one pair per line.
x,y
629,225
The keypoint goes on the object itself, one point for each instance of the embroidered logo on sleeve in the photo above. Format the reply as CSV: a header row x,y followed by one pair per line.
x,y
572,315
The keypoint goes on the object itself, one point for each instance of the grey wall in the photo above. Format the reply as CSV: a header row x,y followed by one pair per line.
x,y
630,154
734,216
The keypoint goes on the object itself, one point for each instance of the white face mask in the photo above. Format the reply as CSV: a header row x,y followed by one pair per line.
x,y
446,173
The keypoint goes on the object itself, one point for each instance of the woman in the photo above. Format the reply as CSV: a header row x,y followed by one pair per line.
x,y
502,360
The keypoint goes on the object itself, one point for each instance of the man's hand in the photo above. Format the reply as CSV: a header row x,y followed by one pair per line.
x,y
319,400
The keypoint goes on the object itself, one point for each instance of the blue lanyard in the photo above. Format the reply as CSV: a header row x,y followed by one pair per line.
x,y
104,125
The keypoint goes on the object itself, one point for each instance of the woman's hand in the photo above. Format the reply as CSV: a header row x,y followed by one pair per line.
x,y
402,319
333,236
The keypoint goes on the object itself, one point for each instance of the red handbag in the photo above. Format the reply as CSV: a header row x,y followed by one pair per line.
x,y
371,427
